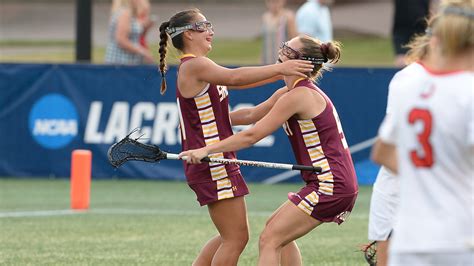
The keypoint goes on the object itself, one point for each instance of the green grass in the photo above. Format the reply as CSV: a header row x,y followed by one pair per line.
x,y
366,51
149,223
357,51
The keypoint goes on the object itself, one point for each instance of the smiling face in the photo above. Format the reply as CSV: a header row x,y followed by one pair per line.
x,y
201,35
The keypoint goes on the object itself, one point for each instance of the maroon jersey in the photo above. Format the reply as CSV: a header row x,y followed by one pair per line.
x,y
204,120
320,142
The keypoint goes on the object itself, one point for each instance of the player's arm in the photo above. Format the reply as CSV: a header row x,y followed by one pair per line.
x,y
470,127
257,84
385,154
285,107
384,151
247,116
205,70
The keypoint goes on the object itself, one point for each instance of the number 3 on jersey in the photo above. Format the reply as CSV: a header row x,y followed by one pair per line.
x,y
424,157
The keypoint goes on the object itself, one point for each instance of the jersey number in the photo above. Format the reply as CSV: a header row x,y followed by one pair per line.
x,y
339,128
422,158
222,92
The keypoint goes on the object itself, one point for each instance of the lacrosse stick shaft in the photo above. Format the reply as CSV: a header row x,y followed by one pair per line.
x,y
284,166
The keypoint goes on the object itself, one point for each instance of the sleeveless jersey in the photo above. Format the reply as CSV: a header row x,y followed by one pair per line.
x,y
204,120
431,123
320,142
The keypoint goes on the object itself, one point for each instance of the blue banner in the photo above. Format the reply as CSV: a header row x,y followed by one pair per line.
x,y
47,111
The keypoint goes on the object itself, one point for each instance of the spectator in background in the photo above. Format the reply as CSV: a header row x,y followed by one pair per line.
x,y
409,20
143,14
314,19
278,26
124,34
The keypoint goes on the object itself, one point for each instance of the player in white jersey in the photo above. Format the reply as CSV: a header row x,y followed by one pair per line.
x,y
384,200
383,204
428,140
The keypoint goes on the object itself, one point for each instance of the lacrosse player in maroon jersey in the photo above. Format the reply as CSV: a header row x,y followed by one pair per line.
x,y
314,130
204,119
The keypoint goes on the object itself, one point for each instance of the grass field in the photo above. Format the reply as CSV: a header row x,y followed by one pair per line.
x,y
147,223
357,51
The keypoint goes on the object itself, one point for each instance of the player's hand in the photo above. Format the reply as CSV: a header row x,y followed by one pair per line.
x,y
296,68
193,156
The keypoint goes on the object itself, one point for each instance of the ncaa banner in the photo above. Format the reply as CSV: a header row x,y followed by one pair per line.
x,y
47,111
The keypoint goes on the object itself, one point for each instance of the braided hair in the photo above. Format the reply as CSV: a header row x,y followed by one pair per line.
x,y
178,20
162,51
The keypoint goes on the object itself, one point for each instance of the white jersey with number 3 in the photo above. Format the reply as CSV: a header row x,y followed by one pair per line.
x,y
432,126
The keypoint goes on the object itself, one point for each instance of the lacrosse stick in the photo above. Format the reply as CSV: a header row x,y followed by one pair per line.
x,y
370,251
129,149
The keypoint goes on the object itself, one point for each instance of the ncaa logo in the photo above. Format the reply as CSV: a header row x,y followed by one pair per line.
x,y
53,121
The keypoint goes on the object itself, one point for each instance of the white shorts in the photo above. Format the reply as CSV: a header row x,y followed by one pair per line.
x,y
381,215
432,259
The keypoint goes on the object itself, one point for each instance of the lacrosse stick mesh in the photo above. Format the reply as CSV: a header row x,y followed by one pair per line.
x,y
370,251
130,149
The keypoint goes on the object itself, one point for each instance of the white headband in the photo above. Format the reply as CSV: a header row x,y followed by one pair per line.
x,y
175,31
454,10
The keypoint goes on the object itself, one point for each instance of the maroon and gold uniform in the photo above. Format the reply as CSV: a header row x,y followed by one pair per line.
x,y
204,120
330,195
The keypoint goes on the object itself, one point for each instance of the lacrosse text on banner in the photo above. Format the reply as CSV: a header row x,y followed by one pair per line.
x,y
157,122
49,110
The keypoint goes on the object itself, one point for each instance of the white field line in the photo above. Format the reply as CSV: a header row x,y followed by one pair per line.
x,y
38,213
169,212
280,177
102,211
289,174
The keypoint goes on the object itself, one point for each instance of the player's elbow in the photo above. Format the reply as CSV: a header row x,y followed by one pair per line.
x,y
249,117
235,78
377,153
250,138
234,81
386,155
375,157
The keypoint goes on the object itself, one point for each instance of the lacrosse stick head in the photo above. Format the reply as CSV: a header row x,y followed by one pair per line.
x,y
129,149
370,252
